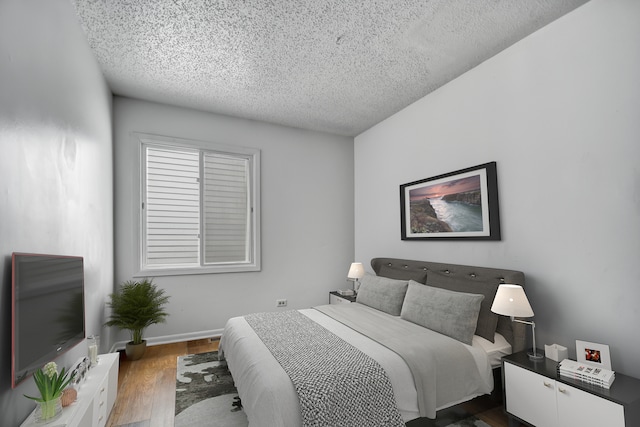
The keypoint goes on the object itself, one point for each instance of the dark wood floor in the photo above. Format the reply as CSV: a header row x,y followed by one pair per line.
x,y
146,389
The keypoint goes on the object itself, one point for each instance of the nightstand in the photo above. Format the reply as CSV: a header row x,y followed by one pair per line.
x,y
336,298
534,393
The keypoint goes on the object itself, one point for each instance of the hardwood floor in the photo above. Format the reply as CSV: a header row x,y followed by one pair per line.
x,y
494,416
146,388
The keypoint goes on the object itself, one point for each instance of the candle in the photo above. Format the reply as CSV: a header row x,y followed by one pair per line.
x,y
93,354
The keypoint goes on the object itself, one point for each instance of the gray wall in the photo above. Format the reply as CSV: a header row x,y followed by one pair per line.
x,y
56,165
307,218
559,113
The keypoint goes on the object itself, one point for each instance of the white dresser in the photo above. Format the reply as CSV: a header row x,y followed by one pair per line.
x,y
96,397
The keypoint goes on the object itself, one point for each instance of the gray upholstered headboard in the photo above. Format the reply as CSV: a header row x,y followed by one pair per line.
x,y
435,273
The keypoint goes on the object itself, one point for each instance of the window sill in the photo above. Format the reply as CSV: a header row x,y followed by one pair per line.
x,y
197,270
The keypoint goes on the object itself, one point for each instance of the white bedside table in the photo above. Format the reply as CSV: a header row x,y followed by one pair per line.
x,y
336,298
536,394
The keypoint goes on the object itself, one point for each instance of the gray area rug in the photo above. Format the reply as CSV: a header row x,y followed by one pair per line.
x,y
205,393
205,396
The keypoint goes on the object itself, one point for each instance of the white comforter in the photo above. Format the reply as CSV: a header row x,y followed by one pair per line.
x,y
268,396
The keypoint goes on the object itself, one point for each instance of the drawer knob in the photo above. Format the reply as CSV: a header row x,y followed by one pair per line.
x,y
547,384
562,390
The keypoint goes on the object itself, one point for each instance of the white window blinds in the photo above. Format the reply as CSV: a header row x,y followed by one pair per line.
x,y
226,213
172,208
199,209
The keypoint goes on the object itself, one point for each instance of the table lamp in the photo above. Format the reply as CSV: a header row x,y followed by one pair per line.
x,y
510,300
356,271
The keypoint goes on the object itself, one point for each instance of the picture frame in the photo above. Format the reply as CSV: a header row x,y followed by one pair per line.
x,y
593,354
457,205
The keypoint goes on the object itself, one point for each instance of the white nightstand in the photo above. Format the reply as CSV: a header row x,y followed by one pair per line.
x,y
536,394
336,298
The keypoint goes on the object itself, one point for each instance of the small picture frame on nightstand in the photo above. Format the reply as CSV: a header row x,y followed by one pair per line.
x,y
593,354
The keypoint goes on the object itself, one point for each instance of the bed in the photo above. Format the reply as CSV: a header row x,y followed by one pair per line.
x,y
419,338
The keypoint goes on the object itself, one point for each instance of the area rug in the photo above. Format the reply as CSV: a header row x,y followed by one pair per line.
x,y
205,393
206,396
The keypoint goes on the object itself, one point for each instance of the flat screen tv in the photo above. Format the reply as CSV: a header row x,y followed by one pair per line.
x,y
47,310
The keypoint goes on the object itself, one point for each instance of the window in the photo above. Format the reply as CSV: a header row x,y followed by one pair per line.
x,y
200,207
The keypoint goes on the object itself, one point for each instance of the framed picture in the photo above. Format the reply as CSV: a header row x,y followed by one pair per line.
x,y
456,205
593,354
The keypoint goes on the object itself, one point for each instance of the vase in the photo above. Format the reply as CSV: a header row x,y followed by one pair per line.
x,y
135,351
69,395
48,410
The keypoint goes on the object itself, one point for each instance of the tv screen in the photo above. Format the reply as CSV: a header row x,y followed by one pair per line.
x,y
48,310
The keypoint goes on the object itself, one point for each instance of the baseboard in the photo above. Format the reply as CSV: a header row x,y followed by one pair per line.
x,y
168,339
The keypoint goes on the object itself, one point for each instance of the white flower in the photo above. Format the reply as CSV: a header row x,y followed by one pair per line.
x,y
50,369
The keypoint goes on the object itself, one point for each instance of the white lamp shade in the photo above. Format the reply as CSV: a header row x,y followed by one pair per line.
x,y
356,271
510,300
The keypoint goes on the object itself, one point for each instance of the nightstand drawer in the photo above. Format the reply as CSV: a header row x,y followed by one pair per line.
x,y
530,397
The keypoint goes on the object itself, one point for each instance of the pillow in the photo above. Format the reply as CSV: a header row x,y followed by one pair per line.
x,y
403,274
454,314
382,293
487,319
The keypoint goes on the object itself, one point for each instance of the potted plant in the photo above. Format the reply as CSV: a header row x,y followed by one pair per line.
x,y
51,385
135,306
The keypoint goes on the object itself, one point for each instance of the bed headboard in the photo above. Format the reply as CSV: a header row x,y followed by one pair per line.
x,y
436,274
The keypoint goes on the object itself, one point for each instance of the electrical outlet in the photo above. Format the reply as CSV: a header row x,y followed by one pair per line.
x,y
281,303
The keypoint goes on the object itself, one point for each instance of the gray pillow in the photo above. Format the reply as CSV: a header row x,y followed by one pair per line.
x,y
487,319
402,274
454,314
382,293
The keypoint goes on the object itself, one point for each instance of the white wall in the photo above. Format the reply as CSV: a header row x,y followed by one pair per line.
x,y
307,217
55,166
559,113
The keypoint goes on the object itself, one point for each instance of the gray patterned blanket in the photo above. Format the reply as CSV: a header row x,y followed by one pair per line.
x,y
337,384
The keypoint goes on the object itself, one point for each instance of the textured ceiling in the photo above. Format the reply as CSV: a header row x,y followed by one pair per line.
x,y
334,66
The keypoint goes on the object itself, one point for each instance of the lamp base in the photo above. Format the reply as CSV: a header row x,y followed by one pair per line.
x,y
538,356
